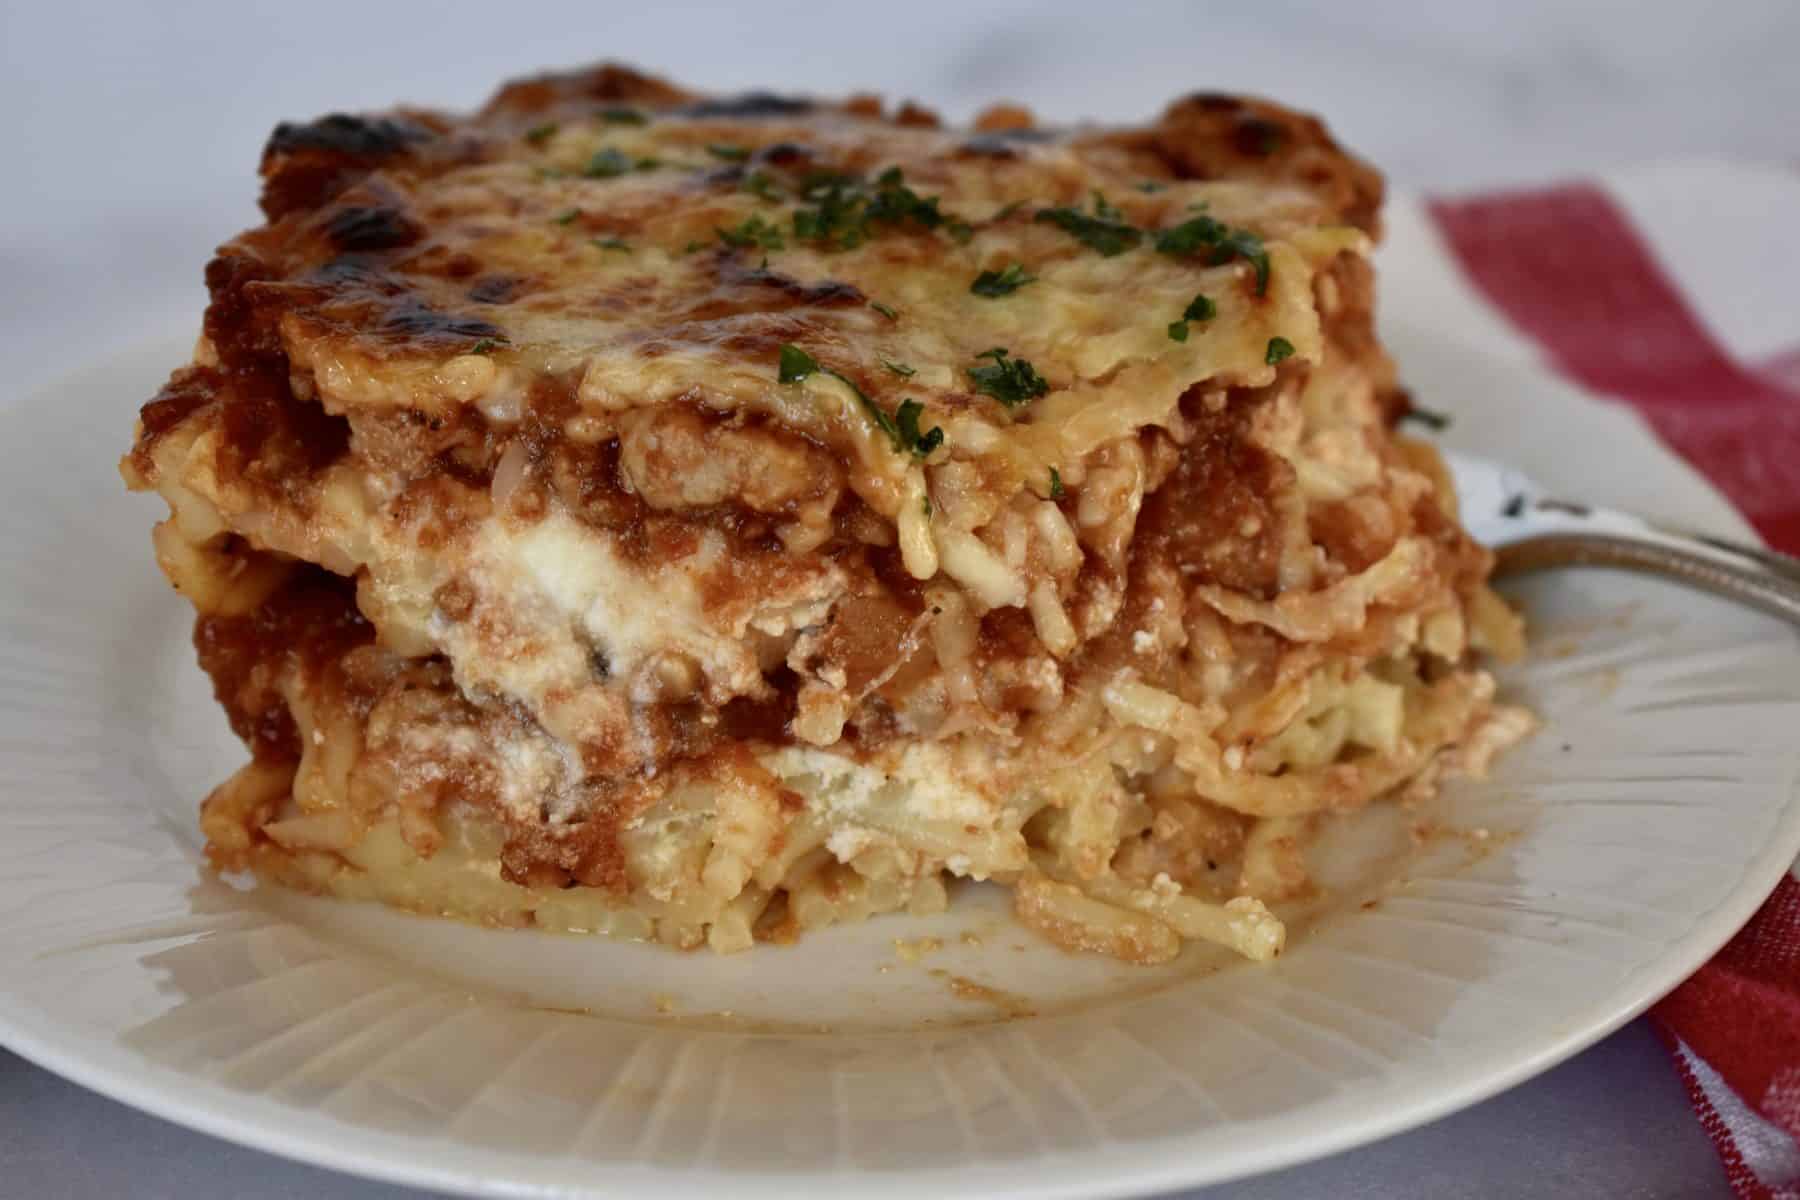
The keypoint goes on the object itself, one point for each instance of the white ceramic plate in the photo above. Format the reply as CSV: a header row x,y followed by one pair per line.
x,y
1625,843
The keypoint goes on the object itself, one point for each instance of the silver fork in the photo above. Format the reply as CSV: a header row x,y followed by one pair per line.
x,y
1532,531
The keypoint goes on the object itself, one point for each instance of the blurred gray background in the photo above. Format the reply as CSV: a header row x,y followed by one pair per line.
x,y
129,136
129,132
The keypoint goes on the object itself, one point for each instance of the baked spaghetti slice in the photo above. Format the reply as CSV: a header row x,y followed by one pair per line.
x,y
707,519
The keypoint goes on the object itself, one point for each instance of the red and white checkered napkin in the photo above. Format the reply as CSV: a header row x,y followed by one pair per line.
x,y
1676,291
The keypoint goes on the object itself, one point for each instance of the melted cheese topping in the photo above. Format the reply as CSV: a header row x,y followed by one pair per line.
x,y
628,285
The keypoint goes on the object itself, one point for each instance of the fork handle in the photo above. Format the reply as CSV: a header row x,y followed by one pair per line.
x,y
1760,579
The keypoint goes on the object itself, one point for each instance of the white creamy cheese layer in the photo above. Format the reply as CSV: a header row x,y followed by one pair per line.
x,y
553,617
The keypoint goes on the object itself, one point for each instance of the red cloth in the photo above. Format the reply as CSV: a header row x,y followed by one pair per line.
x,y
1568,268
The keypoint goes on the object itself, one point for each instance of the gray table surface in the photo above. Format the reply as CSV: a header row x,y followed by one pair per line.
x,y
129,136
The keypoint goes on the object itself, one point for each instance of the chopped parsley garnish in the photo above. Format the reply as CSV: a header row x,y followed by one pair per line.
x,y
1105,231
1279,350
486,346
537,135
1191,235
906,418
840,209
902,428
1430,418
896,204
1011,381
1057,491
623,116
610,243
960,232
728,153
884,310
794,364
566,216
692,246
1222,243
994,284
835,220
607,163
761,185
1001,214
1200,308
1241,243
754,231
898,368
1151,186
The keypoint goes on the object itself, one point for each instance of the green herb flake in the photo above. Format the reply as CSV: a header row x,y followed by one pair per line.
x,y
884,310
1431,419
1057,491
1181,240
542,173
902,428
537,135
994,284
610,243
1241,243
728,153
693,246
566,216
1150,187
623,116
1222,243
761,185
835,219
607,163
795,364
961,232
1000,214
1280,349
1200,308
1104,231
753,231
842,210
1011,381
925,501
487,345
906,417
896,204
898,368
